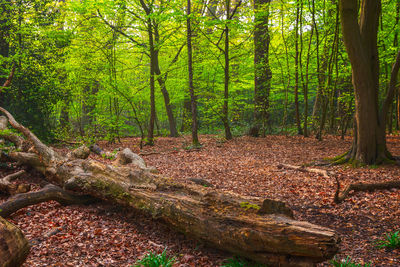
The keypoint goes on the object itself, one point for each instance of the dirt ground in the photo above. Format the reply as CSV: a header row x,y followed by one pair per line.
x,y
105,235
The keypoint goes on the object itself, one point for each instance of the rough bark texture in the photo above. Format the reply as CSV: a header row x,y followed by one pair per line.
x,y
263,74
360,39
14,248
260,230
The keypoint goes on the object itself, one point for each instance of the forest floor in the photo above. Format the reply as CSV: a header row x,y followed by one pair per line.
x,y
104,235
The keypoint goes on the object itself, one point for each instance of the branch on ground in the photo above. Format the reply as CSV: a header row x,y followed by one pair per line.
x,y
49,192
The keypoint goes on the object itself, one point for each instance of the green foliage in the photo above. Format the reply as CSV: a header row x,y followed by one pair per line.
x,y
392,241
240,262
156,260
348,263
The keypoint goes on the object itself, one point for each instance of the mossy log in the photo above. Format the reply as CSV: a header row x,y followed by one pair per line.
x,y
264,231
14,247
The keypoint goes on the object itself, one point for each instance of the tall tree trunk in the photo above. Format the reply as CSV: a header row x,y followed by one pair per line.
x,y
263,74
193,103
296,63
360,39
161,82
150,132
225,107
4,35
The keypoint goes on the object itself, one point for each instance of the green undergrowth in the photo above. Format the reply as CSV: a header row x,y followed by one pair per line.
x,y
348,262
240,262
156,260
391,241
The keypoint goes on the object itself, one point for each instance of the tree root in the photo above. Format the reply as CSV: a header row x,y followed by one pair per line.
x,y
49,192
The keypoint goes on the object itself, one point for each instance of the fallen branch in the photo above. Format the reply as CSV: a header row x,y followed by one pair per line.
x,y
320,172
49,192
362,187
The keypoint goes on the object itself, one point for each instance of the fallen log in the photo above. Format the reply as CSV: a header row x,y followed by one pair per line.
x,y
49,192
264,231
14,247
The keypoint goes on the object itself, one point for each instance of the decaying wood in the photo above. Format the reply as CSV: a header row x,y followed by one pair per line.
x,y
14,247
320,172
49,192
363,187
9,188
251,227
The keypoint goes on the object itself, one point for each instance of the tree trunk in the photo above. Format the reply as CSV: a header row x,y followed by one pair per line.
x,y
193,103
161,82
360,39
14,247
150,132
225,107
262,75
264,231
296,63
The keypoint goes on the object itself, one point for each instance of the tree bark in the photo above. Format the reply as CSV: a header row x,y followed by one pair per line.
x,y
260,230
225,107
360,38
263,74
193,102
14,247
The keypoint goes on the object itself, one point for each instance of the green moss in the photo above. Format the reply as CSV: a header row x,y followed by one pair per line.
x,y
246,205
112,190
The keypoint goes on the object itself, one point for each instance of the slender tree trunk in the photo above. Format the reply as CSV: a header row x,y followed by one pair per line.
x,y
4,34
193,103
296,63
262,75
225,107
161,83
150,133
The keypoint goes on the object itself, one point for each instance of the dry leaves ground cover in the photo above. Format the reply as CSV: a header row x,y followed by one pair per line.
x,y
105,235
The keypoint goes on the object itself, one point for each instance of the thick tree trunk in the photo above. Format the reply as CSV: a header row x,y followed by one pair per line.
x,y
14,247
260,230
360,38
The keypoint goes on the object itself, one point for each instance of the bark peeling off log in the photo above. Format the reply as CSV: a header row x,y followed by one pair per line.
x,y
14,248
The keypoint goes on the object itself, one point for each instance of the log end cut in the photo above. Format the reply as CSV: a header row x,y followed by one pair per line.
x,y
14,247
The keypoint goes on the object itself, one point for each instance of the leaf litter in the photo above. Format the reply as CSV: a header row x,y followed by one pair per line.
x,y
103,234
